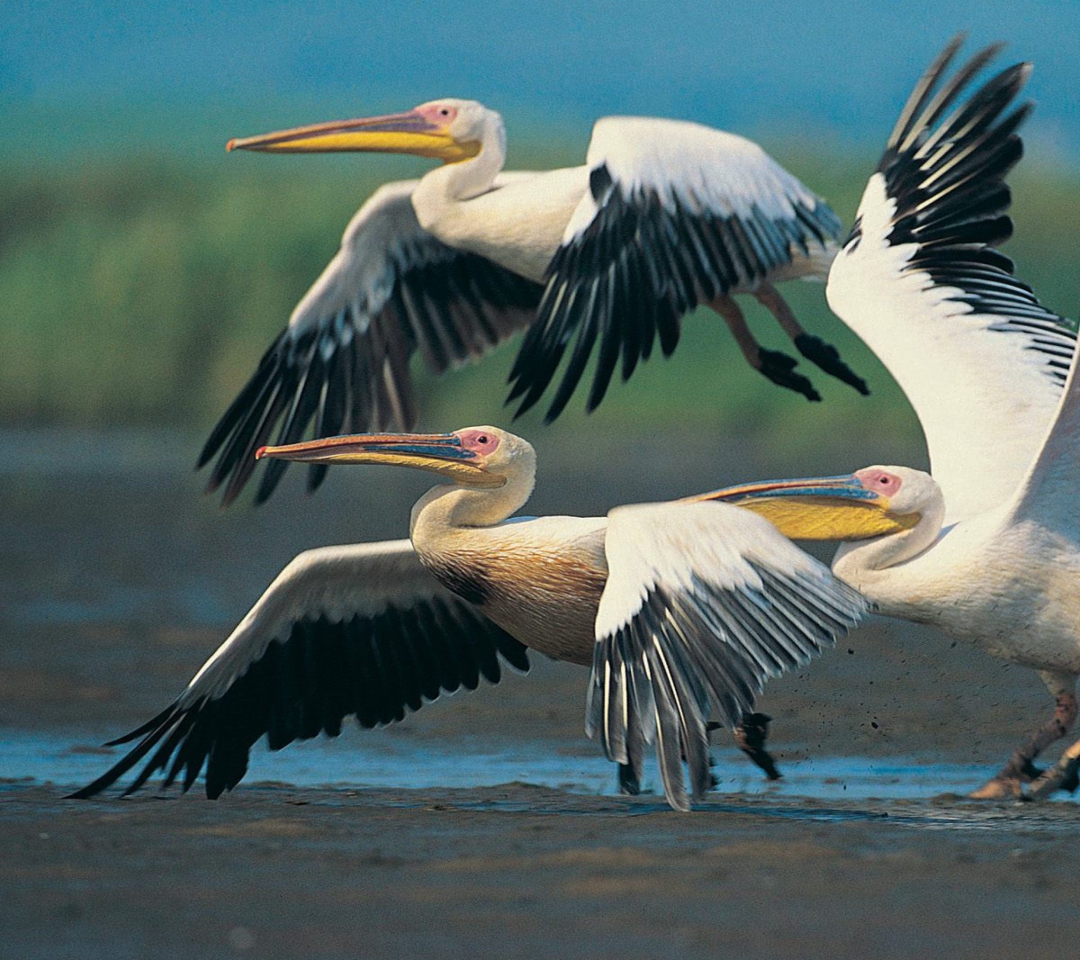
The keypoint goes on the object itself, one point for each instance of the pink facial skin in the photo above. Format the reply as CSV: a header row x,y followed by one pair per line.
x,y
438,113
480,442
880,481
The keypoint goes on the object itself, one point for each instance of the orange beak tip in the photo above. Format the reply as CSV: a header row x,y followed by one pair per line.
x,y
231,145
260,453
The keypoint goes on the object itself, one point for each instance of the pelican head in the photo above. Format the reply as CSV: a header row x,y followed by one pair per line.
x,y
484,457
450,130
872,502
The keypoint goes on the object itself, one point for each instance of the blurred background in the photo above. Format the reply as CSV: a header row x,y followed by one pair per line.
x,y
143,272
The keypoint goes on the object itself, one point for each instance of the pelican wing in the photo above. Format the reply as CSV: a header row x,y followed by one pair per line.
x,y
342,363
1047,493
675,215
980,359
704,602
359,630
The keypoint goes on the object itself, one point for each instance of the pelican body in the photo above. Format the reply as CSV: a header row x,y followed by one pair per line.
x,y
681,610
602,258
994,558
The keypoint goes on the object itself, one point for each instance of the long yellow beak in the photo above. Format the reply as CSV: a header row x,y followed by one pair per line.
x,y
820,508
408,132
440,453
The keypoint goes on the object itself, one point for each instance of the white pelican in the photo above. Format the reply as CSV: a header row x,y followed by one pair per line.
x,y
995,556
663,216
683,609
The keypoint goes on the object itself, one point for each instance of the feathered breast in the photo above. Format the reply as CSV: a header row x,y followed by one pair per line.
x,y
544,591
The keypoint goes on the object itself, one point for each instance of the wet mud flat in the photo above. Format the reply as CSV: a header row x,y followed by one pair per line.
x,y
522,871
116,581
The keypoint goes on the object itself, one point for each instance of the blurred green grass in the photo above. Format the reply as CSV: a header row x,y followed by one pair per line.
x,y
141,289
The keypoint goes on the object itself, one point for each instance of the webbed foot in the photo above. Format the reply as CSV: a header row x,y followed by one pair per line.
x,y
780,369
1064,775
827,357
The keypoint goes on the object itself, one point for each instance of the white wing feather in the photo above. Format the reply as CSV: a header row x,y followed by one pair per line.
x,y
976,354
359,279
1048,493
336,582
362,631
383,240
342,363
703,603
982,399
697,167
674,215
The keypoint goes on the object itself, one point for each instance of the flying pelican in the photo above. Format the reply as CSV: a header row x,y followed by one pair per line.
x,y
994,558
663,216
682,609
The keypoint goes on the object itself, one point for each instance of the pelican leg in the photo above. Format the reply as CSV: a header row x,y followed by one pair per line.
x,y
816,350
1021,769
776,366
629,784
750,736
1063,775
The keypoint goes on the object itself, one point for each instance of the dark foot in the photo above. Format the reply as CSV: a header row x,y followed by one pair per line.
x,y
714,780
780,369
750,736
1064,775
1014,776
629,785
1071,781
826,356
1030,772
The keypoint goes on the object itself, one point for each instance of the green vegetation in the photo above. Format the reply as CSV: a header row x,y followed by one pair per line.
x,y
144,291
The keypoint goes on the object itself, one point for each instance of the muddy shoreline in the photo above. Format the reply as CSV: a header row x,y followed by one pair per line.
x,y
522,871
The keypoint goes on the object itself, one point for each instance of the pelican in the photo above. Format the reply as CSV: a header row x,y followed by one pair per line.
x,y
994,557
663,216
682,610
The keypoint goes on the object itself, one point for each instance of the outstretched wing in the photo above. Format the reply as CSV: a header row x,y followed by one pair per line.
x,y
342,363
359,630
980,359
1047,495
675,215
704,602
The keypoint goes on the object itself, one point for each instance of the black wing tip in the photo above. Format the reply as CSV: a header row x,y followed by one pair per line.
x,y
88,792
107,779
288,390
205,455
948,156
933,94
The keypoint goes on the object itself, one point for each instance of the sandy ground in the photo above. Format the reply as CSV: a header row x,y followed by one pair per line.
x,y
116,585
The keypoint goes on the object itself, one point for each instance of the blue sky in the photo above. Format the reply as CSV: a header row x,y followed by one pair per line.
x,y
839,67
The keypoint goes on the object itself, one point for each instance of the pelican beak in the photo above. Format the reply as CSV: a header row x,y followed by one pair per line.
x,y
440,453
820,508
409,132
